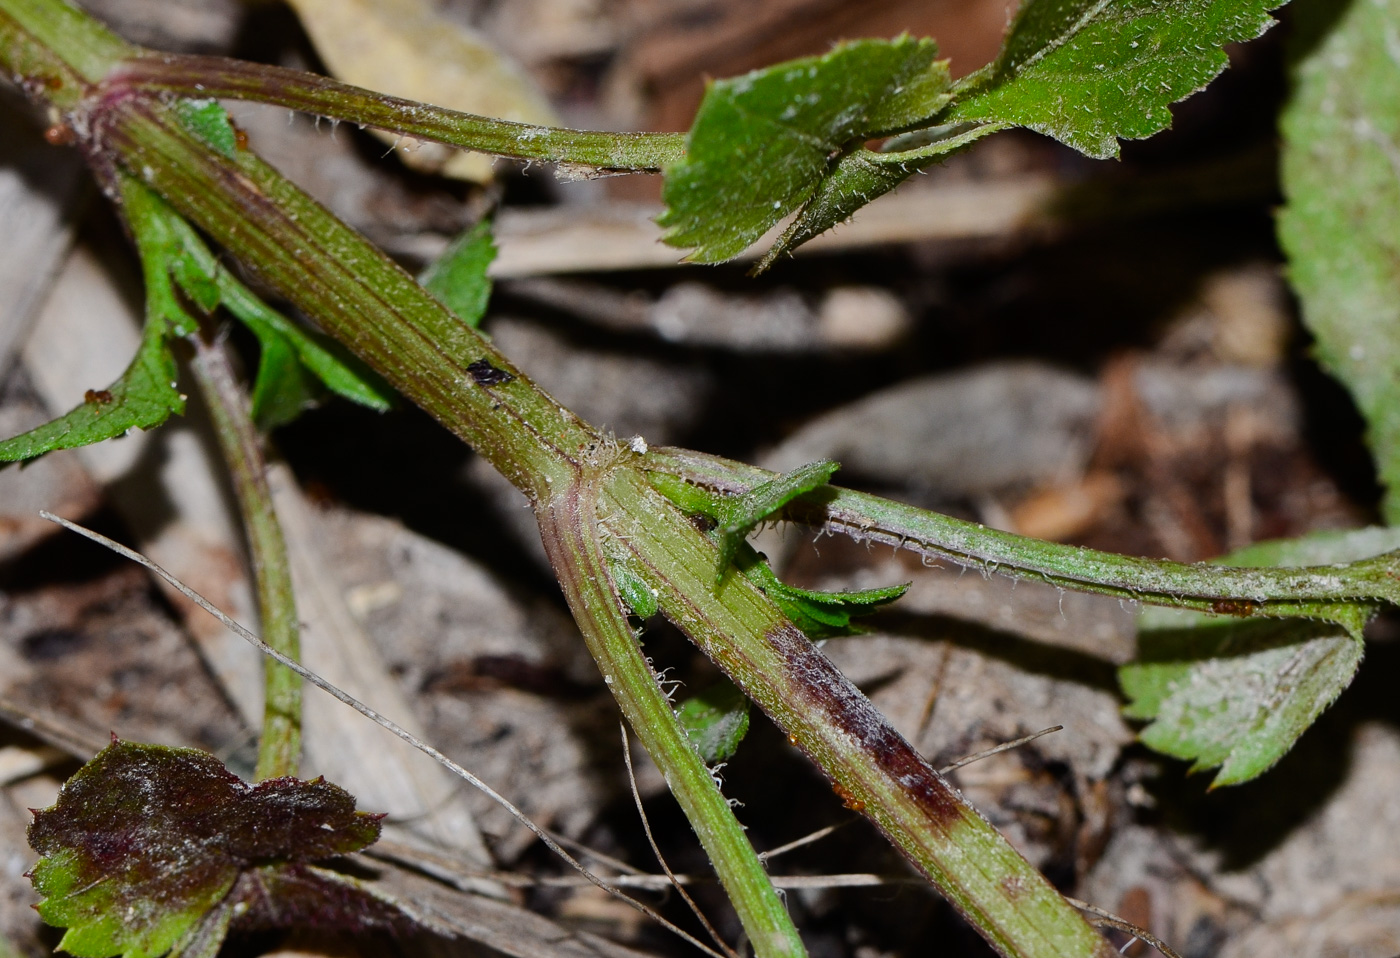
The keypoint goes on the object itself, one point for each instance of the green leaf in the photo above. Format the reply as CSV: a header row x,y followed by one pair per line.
x,y
860,176
716,719
1237,694
143,398
737,516
762,142
819,614
1341,177
633,590
1088,72
210,122
146,840
289,352
284,386
170,248
458,277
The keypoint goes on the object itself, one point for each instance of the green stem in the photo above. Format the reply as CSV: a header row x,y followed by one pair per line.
x,y
32,32
194,76
357,295
1278,592
872,767
569,528
378,310
279,749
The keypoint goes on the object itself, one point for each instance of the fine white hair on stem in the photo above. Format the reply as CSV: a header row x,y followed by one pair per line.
x,y
380,720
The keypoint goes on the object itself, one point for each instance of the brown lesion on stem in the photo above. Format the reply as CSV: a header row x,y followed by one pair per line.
x,y
814,677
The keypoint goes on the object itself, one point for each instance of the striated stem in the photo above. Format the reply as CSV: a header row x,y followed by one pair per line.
x,y
357,295
279,749
196,76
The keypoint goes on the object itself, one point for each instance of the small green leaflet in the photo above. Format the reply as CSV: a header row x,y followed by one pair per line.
x,y
146,394
458,277
283,387
860,176
716,719
143,398
633,589
737,516
1341,177
151,848
173,255
1088,72
1238,693
210,122
762,142
822,615
292,356
819,614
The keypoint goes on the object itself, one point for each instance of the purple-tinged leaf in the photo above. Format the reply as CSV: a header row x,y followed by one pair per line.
x,y
145,842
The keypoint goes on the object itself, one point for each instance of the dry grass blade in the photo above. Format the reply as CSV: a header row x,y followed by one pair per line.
x,y
80,743
382,721
816,836
998,749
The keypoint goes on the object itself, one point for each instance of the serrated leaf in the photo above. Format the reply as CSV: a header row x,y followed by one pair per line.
x,y
762,142
146,840
458,277
143,398
1089,72
716,719
861,176
1237,694
1341,177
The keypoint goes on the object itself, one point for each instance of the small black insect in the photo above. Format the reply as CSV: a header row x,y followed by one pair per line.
x,y
485,374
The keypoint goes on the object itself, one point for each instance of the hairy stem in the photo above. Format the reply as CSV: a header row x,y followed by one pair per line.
x,y
1328,591
572,539
873,769
195,76
279,749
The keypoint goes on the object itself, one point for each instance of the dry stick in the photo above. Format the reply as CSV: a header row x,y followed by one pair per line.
x,y
662,882
1109,920
661,859
380,720
1004,747
593,853
818,835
